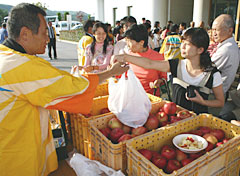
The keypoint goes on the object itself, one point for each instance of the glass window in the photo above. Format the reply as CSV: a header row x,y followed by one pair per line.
x,y
223,6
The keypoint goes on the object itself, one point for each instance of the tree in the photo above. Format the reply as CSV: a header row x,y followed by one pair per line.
x,y
65,15
42,6
59,16
3,13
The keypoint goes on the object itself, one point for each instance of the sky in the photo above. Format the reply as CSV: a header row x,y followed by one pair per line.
x,y
61,5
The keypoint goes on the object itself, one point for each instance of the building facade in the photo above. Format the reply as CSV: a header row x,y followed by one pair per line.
x,y
164,10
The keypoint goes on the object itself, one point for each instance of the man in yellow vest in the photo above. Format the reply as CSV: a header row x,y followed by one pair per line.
x,y
84,41
29,85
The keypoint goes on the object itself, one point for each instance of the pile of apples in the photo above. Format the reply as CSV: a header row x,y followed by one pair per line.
x,y
170,158
118,132
168,114
214,137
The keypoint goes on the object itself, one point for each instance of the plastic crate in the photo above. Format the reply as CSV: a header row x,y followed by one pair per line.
x,y
80,124
103,150
218,161
102,90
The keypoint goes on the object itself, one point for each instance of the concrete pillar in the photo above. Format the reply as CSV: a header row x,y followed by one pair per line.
x,y
160,12
201,11
100,10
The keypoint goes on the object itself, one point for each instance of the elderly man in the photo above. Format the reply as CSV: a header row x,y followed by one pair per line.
x,y
29,86
227,55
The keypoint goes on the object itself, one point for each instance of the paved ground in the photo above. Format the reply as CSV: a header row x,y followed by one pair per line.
x,y
67,55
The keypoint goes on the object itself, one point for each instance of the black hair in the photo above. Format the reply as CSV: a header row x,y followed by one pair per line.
x,y
184,25
4,25
137,33
174,28
156,24
156,30
147,25
199,37
95,27
128,19
24,15
87,25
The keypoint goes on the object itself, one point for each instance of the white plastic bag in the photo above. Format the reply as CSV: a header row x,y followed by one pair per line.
x,y
86,167
128,100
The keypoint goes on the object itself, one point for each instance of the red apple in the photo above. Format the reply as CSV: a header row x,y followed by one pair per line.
x,y
170,108
197,132
104,111
194,156
105,131
168,153
162,117
115,134
124,137
183,114
173,165
126,129
152,123
186,161
159,161
205,129
218,133
155,154
114,123
174,119
180,155
139,131
146,153
210,138
165,123
209,147
160,109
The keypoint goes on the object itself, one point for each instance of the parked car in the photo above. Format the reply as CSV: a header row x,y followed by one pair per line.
x,y
77,27
60,26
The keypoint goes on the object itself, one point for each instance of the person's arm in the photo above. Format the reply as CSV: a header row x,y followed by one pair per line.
x,y
116,69
219,98
143,62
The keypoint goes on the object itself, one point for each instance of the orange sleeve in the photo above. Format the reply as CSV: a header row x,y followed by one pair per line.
x,y
81,103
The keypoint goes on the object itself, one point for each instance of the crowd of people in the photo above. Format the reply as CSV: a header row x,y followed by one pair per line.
x,y
210,69
202,64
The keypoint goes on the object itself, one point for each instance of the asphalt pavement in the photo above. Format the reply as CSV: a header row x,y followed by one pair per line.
x,y
66,55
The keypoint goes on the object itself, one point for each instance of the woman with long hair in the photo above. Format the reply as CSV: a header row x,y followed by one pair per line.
x,y
98,53
193,77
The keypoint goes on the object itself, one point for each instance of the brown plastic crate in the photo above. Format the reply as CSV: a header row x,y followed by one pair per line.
x,y
219,160
103,150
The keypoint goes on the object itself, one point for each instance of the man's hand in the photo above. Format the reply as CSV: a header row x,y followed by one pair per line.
x,y
116,69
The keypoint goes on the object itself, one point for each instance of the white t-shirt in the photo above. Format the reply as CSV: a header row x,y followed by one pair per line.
x,y
217,78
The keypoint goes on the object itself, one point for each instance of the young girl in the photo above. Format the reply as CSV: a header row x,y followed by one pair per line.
x,y
195,73
98,54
